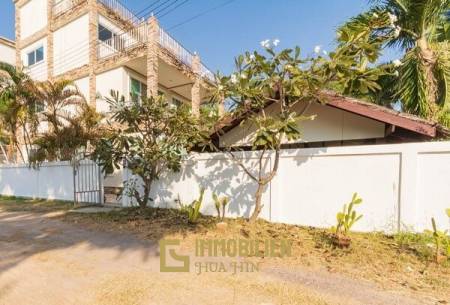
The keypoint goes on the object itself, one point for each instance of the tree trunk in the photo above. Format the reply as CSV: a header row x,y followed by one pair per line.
x,y
262,183
142,201
429,62
258,202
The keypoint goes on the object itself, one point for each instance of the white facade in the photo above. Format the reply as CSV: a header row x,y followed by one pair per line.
x,y
71,45
38,70
33,17
330,124
7,51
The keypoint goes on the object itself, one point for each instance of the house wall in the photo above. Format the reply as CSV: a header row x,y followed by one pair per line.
x,y
7,54
330,124
402,185
115,79
33,17
83,86
37,71
71,45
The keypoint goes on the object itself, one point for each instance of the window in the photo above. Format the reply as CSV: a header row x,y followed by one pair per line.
x,y
39,107
176,102
103,33
138,90
35,56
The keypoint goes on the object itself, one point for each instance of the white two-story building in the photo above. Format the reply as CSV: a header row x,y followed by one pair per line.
x,y
7,51
103,46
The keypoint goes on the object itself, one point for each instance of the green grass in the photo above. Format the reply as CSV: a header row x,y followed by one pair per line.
x,y
19,204
419,244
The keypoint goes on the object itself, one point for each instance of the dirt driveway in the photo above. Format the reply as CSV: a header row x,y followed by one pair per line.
x,y
46,261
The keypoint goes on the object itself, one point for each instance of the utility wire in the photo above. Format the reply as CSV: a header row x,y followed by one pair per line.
x,y
180,4
200,14
157,7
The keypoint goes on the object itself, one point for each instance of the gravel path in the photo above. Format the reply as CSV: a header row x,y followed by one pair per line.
x,y
46,261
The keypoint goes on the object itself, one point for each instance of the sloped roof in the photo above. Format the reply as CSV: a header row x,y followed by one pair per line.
x,y
373,111
7,42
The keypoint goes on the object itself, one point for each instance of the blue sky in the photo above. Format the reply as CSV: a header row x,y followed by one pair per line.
x,y
220,35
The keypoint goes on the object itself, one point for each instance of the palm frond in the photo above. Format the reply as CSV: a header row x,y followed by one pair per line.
x,y
411,87
442,71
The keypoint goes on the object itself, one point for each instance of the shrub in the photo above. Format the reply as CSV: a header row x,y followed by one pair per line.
x,y
417,243
345,220
192,210
441,242
220,203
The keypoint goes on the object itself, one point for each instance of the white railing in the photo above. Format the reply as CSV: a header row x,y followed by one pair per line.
x,y
61,6
138,36
205,72
118,43
169,43
121,10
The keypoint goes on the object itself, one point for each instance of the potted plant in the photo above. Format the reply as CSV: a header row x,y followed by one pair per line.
x,y
345,220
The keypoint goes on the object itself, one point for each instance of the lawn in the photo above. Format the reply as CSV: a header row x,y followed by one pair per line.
x,y
401,263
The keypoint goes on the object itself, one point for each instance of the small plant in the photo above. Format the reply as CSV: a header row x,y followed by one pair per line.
x,y
416,243
441,242
220,203
345,220
192,210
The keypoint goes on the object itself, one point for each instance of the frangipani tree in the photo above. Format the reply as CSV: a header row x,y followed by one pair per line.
x,y
284,79
153,138
420,28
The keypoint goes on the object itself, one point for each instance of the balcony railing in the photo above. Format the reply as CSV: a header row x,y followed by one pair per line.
x,y
62,6
121,10
122,42
181,53
205,72
175,48
139,36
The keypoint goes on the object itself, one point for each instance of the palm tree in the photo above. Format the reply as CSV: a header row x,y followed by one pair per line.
x,y
420,28
73,124
61,99
17,115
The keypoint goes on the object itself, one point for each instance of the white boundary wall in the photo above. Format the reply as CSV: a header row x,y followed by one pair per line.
x,y
402,185
53,180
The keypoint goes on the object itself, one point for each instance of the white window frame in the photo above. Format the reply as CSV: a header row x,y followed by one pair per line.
x,y
34,51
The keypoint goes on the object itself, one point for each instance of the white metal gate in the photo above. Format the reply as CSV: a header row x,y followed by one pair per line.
x,y
87,182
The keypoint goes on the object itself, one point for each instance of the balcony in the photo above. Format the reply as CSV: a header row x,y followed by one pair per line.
x,y
137,37
62,6
133,38
121,11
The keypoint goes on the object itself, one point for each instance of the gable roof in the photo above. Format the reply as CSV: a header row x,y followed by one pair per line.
x,y
376,112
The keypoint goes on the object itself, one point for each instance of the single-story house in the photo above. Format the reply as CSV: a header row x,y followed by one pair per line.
x,y
340,121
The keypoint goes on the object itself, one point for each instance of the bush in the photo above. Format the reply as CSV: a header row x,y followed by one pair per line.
x,y
192,210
